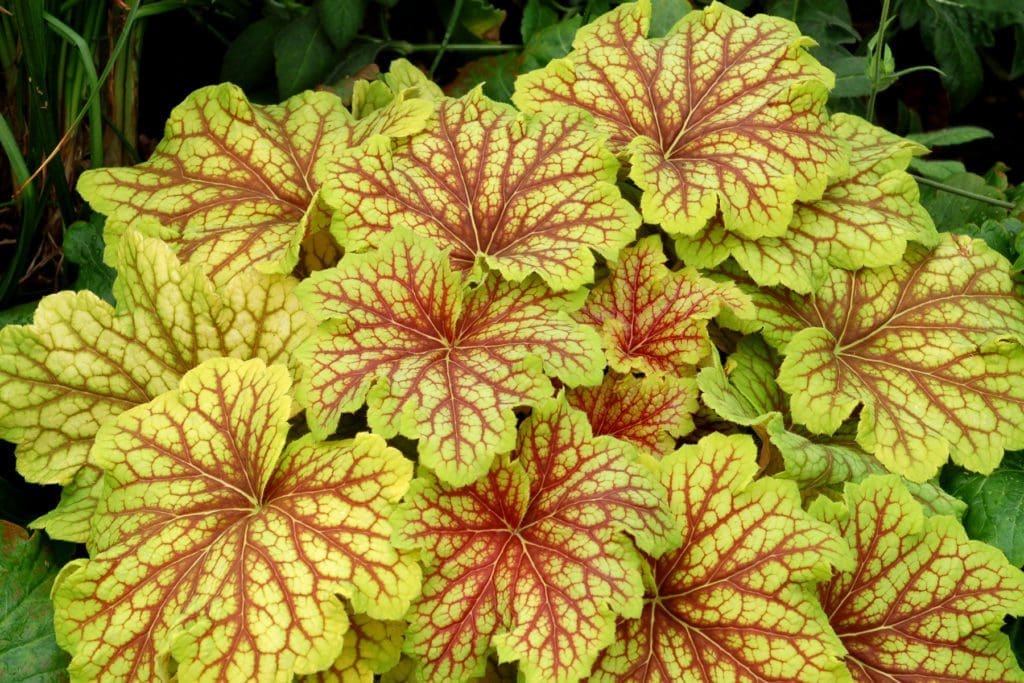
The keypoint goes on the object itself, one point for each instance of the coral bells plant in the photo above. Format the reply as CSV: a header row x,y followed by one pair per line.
x,y
646,378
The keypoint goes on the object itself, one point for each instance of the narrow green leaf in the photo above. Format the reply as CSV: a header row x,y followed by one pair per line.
x,y
303,54
947,137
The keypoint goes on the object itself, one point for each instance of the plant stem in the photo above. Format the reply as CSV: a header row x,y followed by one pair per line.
x,y
456,11
1009,206
876,76
405,48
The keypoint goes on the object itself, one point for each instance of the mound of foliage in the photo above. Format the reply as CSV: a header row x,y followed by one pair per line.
x,y
648,377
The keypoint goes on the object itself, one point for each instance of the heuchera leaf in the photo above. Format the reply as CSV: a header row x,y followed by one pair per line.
x,y
724,113
532,559
731,604
371,647
924,602
654,320
221,546
230,184
929,346
434,359
865,218
82,362
28,566
519,195
648,412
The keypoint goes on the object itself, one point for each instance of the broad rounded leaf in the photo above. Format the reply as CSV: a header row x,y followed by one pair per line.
x,y
231,183
434,359
519,195
924,602
995,504
28,566
218,545
648,412
929,346
724,113
531,559
371,647
82,362
731,604
865,218
654,320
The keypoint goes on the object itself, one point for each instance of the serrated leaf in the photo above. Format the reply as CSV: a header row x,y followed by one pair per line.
x,y
930,347
217,544
435,359
731,604
995,504
531,558
654,320
28,565
725,113
865,218
231,184
519,195
371,647
82,362
923,602
648,412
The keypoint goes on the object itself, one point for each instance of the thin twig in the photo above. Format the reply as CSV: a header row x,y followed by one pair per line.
x,y
1009,206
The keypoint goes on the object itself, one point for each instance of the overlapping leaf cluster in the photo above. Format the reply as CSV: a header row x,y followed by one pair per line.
x,y
581,393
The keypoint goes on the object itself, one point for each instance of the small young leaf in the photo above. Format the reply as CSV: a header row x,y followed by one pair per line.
x,y
995,504
532,558
371,647
83,246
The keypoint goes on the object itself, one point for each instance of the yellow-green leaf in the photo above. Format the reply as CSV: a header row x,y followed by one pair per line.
x,y
371,647
520,195
218,546
725,113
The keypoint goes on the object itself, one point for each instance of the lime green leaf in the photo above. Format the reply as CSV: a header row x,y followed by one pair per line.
x,y
995,504
28,566
744,391
70,520
371,647
648,412
522,196
81,362
724,113
924,602
731,604
654,320
218,545
532,559
231,183
865,218
929,347
434,359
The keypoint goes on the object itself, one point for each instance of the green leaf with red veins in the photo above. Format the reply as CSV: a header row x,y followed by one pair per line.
x,y
648,412
81,362
654,320
929,346
924,602
725,113
732,603
217,544
865,218
519,195
531,559
231,184
434,359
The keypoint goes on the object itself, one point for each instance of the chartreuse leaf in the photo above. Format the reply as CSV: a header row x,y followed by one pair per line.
x,y
531,558
231,183
732,603
218,545
865,218
519,195
82,362
924,602
930,347
435,359
723,113
371,647
28,566
648,412
654,320
744,391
